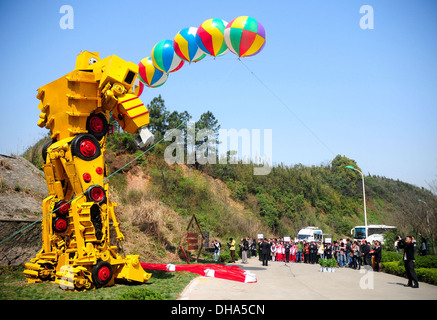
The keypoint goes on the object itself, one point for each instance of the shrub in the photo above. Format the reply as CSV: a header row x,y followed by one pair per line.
x,y
390,256
423,262
238,189
121,142
393,267
332,263
322,262
225,256
427,275
426,261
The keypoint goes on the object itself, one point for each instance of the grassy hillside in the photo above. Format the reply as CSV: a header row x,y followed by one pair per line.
x,y
328,196
156,200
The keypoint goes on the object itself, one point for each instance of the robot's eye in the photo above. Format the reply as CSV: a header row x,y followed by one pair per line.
x,y
92,61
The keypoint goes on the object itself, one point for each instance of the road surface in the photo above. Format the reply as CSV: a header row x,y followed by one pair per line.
x,y
281,281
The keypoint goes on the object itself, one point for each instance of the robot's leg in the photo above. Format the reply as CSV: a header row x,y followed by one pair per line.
x,y
92,212
54,222
55,228
76,236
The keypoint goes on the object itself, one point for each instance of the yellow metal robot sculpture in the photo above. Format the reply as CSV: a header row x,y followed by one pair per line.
x,y
77,251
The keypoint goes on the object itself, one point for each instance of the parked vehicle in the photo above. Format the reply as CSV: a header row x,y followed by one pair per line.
x,y
310,234
374,232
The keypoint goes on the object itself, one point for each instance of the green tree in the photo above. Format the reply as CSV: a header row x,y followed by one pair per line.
x,y
207,127
269,210
158,115
162,120
207,120
343,179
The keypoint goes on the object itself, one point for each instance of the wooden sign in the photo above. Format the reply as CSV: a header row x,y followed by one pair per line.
x,y
192,239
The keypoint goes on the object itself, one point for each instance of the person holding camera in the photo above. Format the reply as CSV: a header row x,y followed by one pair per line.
x,y
408,245
217,245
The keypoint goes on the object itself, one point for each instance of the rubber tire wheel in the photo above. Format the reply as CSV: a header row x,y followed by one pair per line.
x,y
55,225
90,199
44,150
56,208
75,146
98,281
101,134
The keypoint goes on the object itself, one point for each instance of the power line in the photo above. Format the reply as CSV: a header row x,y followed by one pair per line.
x,y
287,107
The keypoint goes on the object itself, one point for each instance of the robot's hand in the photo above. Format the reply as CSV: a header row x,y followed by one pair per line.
x,y
145,138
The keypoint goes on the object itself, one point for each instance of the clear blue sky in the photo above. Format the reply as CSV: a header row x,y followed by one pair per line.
x,y
370,95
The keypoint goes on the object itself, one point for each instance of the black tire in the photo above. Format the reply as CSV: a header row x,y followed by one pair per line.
x,y
44,150
88,193
59,211
97,125
86,147
60,224
102,273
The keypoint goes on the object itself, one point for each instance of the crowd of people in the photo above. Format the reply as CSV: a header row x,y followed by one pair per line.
x,y
347,253
352,254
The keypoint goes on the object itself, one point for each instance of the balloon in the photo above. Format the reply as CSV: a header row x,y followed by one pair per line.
x,y
210,37
245,36
165,58
185,45
149,75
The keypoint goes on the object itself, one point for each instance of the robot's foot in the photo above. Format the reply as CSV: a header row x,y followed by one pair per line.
x,y
74,278
131,270
86,277
40,270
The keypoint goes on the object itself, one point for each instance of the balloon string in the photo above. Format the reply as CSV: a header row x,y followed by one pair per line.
x,y
287,107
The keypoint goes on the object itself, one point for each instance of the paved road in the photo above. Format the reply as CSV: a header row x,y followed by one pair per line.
x,y
280,281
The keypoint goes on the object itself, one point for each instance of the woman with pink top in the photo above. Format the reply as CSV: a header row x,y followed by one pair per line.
x,y
280,255
293,252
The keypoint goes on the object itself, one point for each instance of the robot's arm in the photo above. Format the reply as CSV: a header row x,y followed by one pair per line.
x,y
133,117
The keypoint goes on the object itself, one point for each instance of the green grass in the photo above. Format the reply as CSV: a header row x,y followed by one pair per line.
x,y
162,285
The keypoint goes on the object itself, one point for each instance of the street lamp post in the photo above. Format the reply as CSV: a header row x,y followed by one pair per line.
x,y
427,216
364,199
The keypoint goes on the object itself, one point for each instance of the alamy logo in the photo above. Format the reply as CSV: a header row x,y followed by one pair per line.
x,y
67,20
67,280
227,146
367,280
366,21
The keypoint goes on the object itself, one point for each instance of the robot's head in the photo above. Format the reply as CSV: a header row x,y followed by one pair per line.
x,y
85,59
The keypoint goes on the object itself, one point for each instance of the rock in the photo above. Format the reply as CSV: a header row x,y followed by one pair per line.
x,y
17,172
22,190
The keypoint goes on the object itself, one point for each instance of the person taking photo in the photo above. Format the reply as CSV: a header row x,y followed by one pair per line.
x,y
408,246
